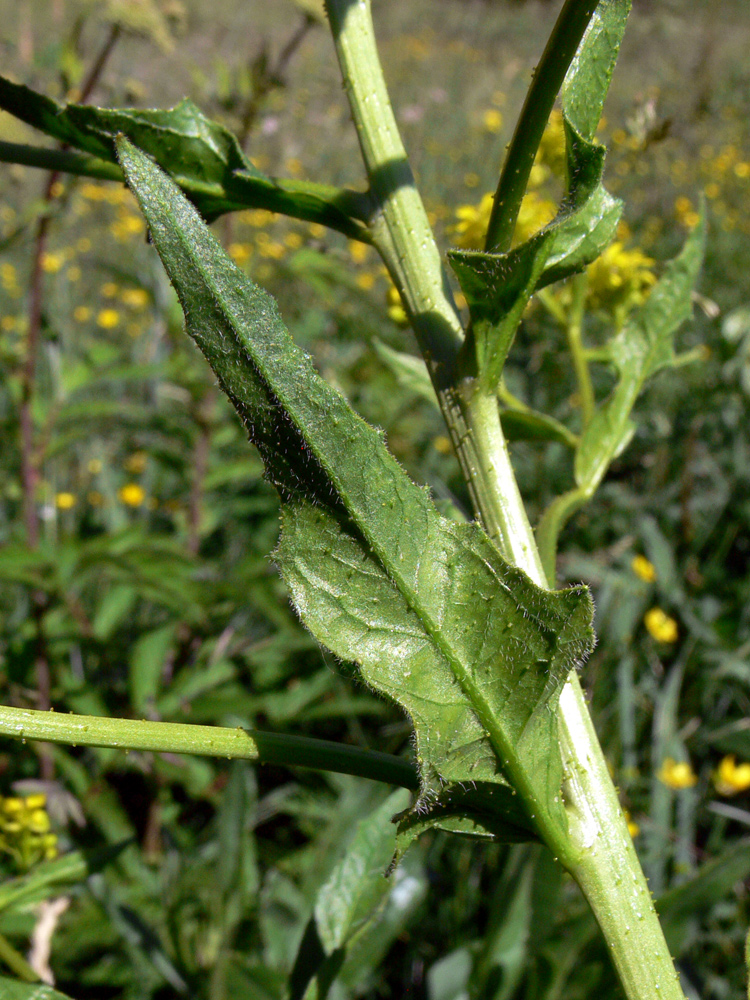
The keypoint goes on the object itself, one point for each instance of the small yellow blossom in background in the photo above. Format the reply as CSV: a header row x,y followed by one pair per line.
x,y
132,494
471,180
136,462
365,280
293,240
127,226
492,120
56,189
396,311
620,280
552,148
472,221
52,262
64,501
81,314
83,245
731,778
293,166
136,298
73,273
8,323
359,252
643,569
108,319
109,290
661,626
95,498
676,774
633,828
25,830
534,214
442,443
240,252
271,249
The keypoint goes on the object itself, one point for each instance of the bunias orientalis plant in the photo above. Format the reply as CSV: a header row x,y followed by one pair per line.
x,y
459,623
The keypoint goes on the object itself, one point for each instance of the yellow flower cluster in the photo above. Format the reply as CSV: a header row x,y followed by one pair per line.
x,y
677,774
731,777
619,280
660,626
25,830
643,569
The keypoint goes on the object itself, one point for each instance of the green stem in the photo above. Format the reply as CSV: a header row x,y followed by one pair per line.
x,y
62,160
400,228
212,741
16,962
574,333
548,78
402,235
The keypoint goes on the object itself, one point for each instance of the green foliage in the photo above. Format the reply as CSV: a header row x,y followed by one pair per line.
x,y
169,609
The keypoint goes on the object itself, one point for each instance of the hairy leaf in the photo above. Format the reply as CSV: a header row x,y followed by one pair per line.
x,y
201,155
427,608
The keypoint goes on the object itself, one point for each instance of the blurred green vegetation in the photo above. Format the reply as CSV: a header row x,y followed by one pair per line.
x,y
148,590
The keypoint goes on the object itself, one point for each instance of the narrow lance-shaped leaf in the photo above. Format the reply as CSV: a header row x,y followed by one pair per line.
x,y
643,346
498,286
201,155
427,608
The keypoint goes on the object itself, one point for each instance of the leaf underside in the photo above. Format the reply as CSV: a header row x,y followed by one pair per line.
x,y
427,608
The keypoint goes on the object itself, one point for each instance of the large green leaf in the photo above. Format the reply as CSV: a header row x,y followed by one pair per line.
x,y
428,609
202,156
498,286
13,989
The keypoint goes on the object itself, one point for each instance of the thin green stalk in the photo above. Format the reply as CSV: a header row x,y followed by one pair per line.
x,y
548,78
61,160
16,962
574,333
212,741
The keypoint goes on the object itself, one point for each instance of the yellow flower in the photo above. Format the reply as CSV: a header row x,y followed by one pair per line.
x,y
661,626
81,314
109,289
731,778
240,252
136,298
676,774
365,280
132,494
25,830
442,443
64,501
95,498
472,223
108,318
643,569
534,214
359,252
396,311
552,151
73,273
619,280
52,262
633,828
83,245
492,120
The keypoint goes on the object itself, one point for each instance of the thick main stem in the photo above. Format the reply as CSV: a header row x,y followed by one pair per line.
x,y
597,848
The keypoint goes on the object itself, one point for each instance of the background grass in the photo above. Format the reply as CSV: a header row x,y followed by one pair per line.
x,y
150,592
